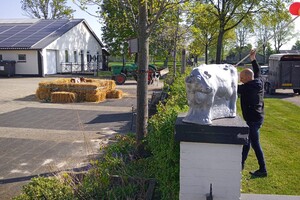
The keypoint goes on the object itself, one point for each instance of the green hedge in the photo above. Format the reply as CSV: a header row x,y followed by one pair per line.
x,y
161,141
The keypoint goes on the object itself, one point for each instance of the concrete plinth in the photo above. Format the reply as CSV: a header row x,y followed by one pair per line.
x,y
210,155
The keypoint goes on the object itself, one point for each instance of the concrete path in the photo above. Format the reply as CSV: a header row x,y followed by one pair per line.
x,y
39,138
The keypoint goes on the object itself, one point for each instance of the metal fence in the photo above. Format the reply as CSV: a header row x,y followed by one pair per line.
x,y
78,67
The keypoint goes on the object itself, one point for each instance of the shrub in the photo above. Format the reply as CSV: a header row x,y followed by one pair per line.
x,y
46,188
118,174
161,141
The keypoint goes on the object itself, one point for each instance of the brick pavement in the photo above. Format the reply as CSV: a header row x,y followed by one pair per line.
x,y
42,138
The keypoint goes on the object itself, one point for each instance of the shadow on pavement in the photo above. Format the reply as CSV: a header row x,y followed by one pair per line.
x,y
47,174
116,117
31,97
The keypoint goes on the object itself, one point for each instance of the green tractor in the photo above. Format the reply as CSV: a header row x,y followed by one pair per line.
x,y
120,73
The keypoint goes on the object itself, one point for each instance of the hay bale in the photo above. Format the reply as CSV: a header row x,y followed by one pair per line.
x,y
114,94
92,90
63,97
97,96
44,91
43,94
109,84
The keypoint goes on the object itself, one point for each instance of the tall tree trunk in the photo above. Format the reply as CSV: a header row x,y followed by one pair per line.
x,y
166,62
183,61
142,84
264,53
206,53
175,43
219,47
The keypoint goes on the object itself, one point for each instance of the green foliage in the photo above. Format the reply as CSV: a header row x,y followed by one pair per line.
x,y
229,14
119,159
46,188
268,24
161,141
119,24
51,9
296,46
203,28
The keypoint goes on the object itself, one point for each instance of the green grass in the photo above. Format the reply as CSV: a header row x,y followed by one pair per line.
x,y
157,63
104,74
280,140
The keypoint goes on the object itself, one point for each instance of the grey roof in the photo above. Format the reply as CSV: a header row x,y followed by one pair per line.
x,y
34,33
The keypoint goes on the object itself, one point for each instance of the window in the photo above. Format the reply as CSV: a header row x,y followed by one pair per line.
x,y
75,57
1,57
66,56
21,57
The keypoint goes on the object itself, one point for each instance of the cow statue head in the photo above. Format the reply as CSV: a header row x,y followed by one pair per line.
x,y
211,93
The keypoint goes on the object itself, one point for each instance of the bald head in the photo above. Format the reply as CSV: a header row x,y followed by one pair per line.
x,y
246,75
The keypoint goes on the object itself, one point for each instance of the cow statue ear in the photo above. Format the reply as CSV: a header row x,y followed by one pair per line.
x,y
207,74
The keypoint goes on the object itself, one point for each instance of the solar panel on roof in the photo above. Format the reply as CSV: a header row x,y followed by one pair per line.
x,y
63,29
4,28
40,31
36,35
11,33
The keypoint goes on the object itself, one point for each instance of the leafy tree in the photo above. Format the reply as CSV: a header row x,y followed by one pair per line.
x,y
119,23
281,28
229,14
296,46
47,9
273,22
202,29
149,14
243,33
263,31
125,19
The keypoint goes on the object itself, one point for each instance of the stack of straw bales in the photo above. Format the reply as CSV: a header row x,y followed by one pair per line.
x,y
65,91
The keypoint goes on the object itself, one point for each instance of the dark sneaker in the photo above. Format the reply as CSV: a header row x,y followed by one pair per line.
x,y
259,173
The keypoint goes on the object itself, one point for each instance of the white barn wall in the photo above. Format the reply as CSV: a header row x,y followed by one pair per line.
x,y
30,67
77,39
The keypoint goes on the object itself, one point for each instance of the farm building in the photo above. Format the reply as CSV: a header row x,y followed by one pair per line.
x,y
41,47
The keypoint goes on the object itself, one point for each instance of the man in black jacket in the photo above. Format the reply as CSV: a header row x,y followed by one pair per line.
x,y
252,104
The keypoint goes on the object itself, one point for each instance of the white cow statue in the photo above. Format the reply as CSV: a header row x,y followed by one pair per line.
x,y
211,93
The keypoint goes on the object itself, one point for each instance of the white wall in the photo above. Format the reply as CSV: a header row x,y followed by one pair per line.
x,y
202,164
29,67
77,39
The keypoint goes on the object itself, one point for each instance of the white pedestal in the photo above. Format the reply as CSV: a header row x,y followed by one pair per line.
x,y
211,156
202,164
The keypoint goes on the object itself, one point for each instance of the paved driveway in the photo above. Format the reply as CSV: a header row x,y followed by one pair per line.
x,y
39,138
287,95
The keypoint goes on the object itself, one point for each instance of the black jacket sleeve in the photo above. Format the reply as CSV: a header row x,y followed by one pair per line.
x,y
256,69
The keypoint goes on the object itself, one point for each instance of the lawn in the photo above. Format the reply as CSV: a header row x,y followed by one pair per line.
x,y
280,140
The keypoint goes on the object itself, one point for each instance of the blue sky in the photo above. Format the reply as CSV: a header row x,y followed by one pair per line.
x,y
12,9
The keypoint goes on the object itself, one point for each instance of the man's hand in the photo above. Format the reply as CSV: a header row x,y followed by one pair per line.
x,y
252,54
